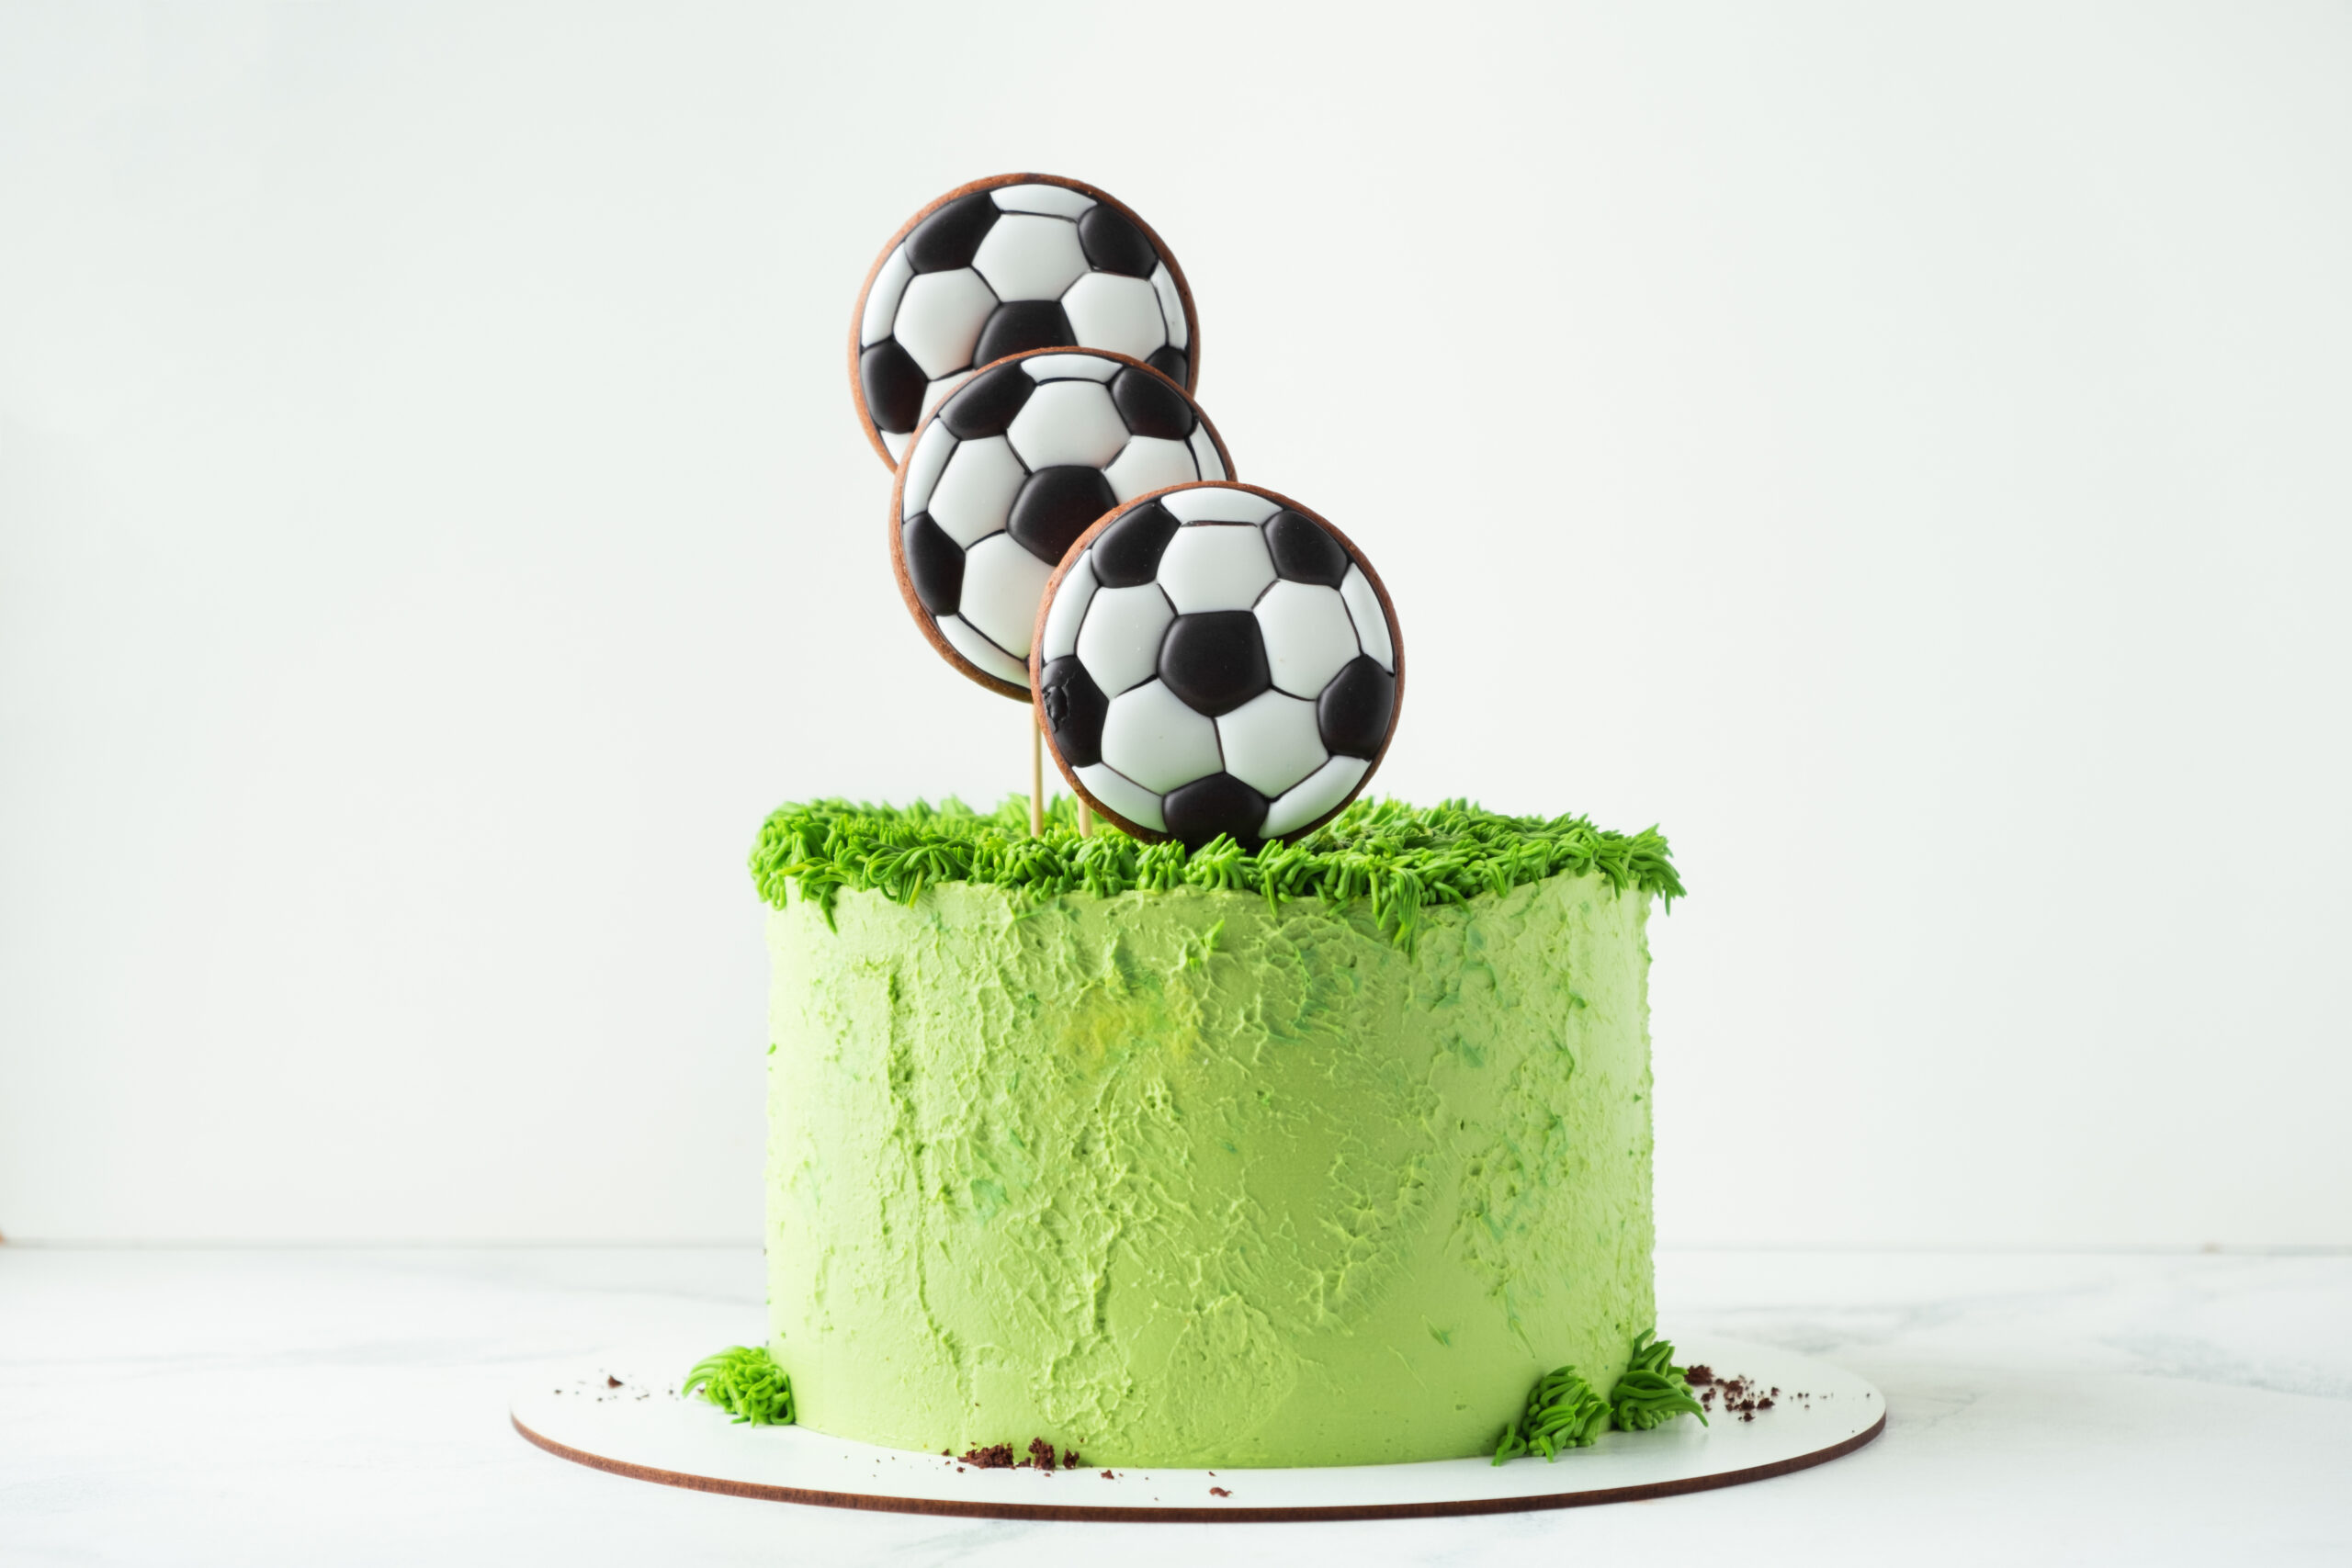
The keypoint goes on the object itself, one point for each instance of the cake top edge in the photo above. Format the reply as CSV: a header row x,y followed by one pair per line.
x,y
1403,858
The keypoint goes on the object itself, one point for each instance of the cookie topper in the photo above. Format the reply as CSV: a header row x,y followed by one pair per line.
x,y
1011,263
1214,658
1009,471
1209,658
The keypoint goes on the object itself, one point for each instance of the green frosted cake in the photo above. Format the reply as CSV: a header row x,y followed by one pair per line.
x,y
1316,1156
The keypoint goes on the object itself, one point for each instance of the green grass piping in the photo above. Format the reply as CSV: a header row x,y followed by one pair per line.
x,y
1403,859
745,1382
1564,1413
1652,1391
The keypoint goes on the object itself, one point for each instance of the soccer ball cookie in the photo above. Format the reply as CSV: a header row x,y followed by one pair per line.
x,y
1003,265
1217,658
1017,463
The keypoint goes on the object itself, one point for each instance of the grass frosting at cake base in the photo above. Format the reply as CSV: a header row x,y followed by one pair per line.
x,y
1199,1176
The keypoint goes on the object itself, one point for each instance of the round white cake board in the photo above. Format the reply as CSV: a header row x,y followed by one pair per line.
x,y
624,1414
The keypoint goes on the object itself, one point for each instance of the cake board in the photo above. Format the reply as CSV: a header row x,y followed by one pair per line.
x,y
623,1414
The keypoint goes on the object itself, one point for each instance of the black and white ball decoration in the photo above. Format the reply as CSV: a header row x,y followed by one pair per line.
x,y
1017,463
1002,265
1217,658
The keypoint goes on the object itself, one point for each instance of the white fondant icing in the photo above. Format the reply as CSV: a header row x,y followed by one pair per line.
x,y
1002,584
1148,463
1068,608
1025,257
1324,789
1066,366
1123,795
1107,311
940,319
882,299
1218,503
967,641
1150,736
1308,635
1055,202
1214,566
1119,639
930,454
1171,306
1068,421
1205,453
1371,624
974,495
1270,742
894,443
940,391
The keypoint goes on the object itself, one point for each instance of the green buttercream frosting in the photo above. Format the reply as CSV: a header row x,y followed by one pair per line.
x,y
1562,1413
1320,1156
1400,859
745,1382
1651,1392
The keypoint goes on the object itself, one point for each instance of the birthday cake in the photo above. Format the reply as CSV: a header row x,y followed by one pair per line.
x,y
1077,1140
1213,1115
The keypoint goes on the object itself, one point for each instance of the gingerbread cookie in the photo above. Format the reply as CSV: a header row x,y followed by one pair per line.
x,y
1005,476
1217,658
999,265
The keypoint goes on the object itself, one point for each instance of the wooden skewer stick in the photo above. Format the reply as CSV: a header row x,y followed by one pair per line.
x,y
1036,773
1085,819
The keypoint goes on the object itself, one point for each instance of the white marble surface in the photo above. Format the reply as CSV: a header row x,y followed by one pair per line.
x,y
349,1407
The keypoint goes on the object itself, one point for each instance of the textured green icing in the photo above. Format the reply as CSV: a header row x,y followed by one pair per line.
x,y
1193,1177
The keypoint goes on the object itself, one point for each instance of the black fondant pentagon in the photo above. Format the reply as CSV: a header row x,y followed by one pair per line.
x,y
984,405
1172,363
1354,710
1021,325
1216,660
1199,811
1150,406
1074,707
951,237
1127,554
1303,550
1054,506
893,383
934,564
1112,244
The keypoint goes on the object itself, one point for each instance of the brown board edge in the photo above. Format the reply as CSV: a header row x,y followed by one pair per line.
x,y
875,1503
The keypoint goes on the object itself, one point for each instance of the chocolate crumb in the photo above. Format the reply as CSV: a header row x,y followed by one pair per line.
x,y
611,1381
996,1456
1699,1376
1069,1459
1219,1492
1108,1476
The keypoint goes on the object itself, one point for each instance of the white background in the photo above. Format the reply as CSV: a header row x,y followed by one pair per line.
x,y
1904,451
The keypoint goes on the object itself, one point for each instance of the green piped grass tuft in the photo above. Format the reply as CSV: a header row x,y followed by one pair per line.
x,y
1403,859
745,1382
1564,1413
1652,1391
